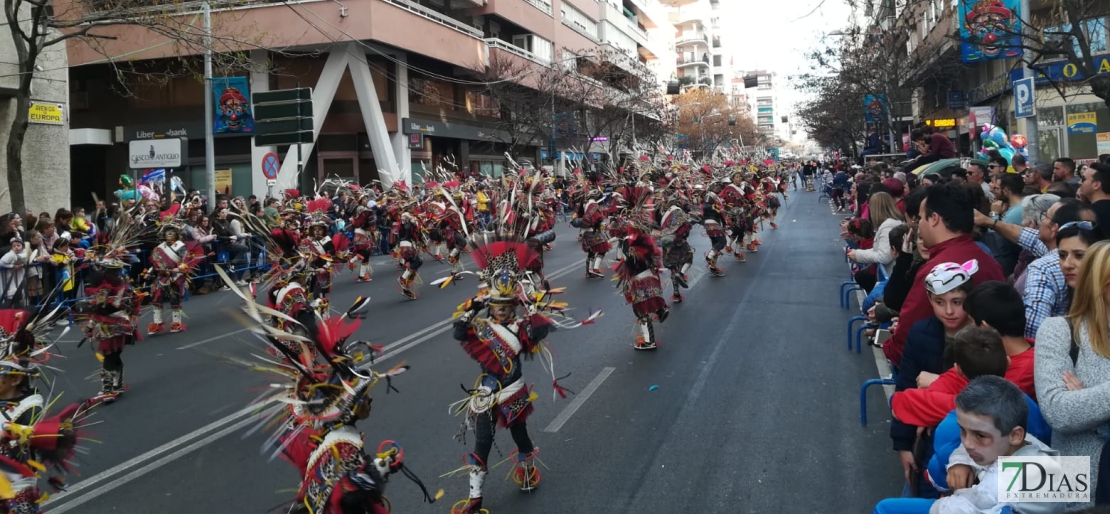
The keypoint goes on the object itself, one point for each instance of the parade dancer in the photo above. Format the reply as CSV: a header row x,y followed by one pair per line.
x,y
30,441
735,198
594,240
316,412
112,311
365,241
408,234
638,277
451,225
170,265
497,341
678,255
712,218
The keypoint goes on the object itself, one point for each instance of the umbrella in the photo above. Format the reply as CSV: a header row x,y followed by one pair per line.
x,y
935,167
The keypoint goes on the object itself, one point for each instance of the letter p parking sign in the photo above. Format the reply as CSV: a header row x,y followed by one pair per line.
x,y
1025,105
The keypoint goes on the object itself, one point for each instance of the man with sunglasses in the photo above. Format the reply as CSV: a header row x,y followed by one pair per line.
x,y
997,167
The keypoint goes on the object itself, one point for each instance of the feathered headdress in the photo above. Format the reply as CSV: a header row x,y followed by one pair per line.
x,y
318,212
502,264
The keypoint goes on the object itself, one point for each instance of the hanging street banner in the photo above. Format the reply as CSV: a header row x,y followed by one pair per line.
x,y
989,30
233,106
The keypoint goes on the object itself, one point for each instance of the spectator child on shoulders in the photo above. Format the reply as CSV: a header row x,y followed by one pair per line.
x,y
993,416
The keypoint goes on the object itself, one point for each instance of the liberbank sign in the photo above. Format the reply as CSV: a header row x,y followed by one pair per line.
x,y
156,153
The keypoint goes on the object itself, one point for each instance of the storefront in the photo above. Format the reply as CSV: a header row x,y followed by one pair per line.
x,y
434,143
233,156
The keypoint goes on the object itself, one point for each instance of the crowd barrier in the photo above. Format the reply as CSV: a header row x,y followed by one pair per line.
x,y
28,285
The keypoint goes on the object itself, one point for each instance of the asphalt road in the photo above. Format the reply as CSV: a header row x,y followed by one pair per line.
x,y
756,408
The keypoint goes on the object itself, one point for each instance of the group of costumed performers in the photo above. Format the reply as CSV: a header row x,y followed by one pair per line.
x,y
316,408
498,341
32,441
648,211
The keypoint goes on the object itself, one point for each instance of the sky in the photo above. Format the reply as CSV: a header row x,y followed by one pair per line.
x,y
776,35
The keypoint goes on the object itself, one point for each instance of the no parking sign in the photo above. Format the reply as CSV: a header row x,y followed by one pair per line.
x,y
270,166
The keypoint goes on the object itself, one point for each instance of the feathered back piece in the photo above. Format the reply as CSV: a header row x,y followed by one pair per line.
x,y
127,233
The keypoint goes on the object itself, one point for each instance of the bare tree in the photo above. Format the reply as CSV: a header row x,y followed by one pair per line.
x,y
707,120
36,26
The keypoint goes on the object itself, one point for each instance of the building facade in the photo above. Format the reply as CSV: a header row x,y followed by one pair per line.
x,y
398,86
982,92
46,171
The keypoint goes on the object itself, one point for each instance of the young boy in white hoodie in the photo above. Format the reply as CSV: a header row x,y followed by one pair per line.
x,y
992,413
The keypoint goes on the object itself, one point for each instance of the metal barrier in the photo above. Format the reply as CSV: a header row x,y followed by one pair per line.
x,y
28,285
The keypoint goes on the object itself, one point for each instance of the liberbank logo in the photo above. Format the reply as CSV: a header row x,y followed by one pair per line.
x,y
1044,479
155,153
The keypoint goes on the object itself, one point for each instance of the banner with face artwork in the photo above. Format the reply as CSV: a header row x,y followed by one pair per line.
x,y
233,105
989,29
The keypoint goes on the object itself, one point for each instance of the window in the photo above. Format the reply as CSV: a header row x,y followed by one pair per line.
x,y
540,47
481,104
716,60
430,93
578,19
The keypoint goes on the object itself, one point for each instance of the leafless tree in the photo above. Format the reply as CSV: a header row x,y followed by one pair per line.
x,y
35,26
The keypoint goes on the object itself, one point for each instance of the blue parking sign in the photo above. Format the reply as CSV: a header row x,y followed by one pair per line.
x,y
1025,105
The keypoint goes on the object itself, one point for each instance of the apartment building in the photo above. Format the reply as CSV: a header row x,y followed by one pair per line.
x,y
946,94
702,57
771,118
397,85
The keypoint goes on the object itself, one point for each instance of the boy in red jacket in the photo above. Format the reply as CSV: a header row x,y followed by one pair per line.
x,y
993,305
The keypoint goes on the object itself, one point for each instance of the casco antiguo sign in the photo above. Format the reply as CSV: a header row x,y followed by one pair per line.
x,y
155,153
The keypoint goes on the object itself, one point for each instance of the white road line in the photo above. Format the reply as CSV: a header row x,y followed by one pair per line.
x,y
150,465
881,363
210,339
146,457
92,495
579,399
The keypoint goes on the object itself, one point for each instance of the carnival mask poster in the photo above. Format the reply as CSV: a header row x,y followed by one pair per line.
x,y
233,106
989,29
874,108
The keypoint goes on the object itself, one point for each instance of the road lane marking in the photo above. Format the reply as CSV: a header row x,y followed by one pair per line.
x,y
579,399
77,487
881,364
71,498
108,487
213,338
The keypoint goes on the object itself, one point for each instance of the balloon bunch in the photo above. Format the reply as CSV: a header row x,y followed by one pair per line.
x,y
129,193
994,138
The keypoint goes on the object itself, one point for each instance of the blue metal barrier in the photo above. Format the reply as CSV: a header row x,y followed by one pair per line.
x,y
852,321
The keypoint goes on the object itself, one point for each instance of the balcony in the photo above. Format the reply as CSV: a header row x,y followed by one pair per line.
x,y
692,61
619,21
543,5
692,39
441,19
622,60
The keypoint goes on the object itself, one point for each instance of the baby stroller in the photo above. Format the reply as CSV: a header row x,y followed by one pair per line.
x,y
826,192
